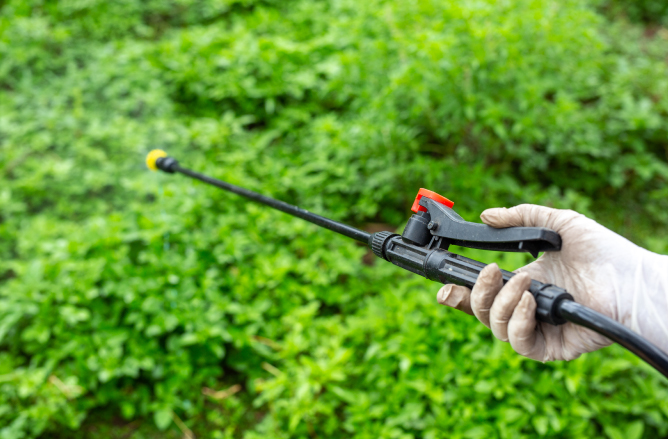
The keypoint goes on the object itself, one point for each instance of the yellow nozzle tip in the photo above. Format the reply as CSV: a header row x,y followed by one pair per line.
x,y
152,157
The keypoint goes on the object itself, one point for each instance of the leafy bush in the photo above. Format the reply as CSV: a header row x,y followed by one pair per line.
x,y
125,293
649,12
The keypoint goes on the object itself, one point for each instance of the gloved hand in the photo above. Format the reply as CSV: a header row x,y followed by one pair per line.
x,y
601,269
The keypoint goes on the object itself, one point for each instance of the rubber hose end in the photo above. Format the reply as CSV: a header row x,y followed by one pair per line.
x,y
152,158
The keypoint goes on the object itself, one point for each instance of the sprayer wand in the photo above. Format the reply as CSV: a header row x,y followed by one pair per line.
x,y
422,248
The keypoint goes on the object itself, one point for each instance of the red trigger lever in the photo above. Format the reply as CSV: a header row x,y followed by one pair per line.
x,y
432,196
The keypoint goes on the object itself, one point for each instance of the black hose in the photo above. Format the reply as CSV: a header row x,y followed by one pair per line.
x,y
583,316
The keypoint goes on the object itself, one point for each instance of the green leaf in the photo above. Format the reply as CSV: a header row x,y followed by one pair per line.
x,y
540,423
635,430
162,418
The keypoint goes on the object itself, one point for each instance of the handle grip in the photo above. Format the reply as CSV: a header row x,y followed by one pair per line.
x,y
445,267
441,221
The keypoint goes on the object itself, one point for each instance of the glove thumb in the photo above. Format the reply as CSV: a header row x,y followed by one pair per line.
x,y
524,215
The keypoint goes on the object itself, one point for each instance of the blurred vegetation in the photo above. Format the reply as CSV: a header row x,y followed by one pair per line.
x,y
649,12
125,295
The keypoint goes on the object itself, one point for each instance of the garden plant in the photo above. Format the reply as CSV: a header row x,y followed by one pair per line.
x,y
137,305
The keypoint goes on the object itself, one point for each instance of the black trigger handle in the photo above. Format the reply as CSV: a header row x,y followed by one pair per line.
x,y
443,222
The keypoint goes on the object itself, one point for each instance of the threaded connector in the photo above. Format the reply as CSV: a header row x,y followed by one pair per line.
x,y
377,242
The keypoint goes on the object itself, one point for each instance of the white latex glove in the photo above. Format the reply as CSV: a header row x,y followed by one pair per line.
x,y
601,269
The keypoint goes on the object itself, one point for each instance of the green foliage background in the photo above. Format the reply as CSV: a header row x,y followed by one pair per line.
x,y
124,293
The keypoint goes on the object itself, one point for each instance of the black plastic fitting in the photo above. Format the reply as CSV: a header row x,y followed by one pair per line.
x,y
167,164
449,268
417,229
377,243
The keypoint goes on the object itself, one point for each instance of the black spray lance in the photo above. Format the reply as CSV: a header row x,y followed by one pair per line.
x,y
422,248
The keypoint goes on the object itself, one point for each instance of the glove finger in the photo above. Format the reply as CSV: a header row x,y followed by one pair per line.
x,y
539,270
505,303
455,296
484,291
527,215
522,333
